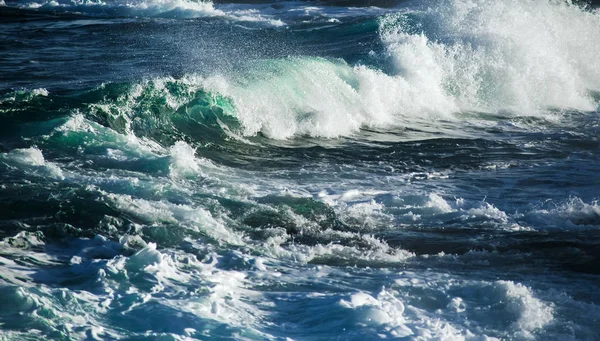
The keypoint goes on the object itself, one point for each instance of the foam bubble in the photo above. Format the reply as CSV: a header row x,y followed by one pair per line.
x,y
508,307
30,156
366,215
24,95
376,252
390,317
487,211
148,283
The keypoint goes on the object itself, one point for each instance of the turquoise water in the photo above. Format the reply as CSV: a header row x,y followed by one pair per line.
x,y
299,170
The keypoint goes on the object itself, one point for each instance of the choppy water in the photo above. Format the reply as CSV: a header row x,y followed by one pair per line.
x,y
299,170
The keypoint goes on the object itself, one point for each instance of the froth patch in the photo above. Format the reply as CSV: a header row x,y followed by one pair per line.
x,y
574,212
152,9
23,95
184,164
502,309
532,313
155,292
374,252
388,316
196,219
160,8
31,160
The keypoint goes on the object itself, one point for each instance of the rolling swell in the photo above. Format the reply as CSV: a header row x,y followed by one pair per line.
x,y
504,59
438,63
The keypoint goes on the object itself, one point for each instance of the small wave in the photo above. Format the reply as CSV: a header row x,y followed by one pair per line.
x,y
32,161
160,8
22,96
152,9
511,307
323,98
572,213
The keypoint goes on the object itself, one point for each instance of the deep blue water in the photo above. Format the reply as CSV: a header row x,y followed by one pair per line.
x,y
299,170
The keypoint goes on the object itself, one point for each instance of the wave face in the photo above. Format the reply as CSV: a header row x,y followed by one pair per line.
x,y
502,58
299,170
507,59
321,98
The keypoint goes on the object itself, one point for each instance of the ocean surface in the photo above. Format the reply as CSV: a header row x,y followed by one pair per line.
x,y
299,170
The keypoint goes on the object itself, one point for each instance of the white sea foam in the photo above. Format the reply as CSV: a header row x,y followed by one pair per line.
x,y
360,209
157,212
156,8
91,135
365,215
223,289
40,92
185,164
32,161
23,95
509,55
183,161
532,313
438,204
573,213
375,251
169,8
511,307
149,282
390,317
318,97
437,208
